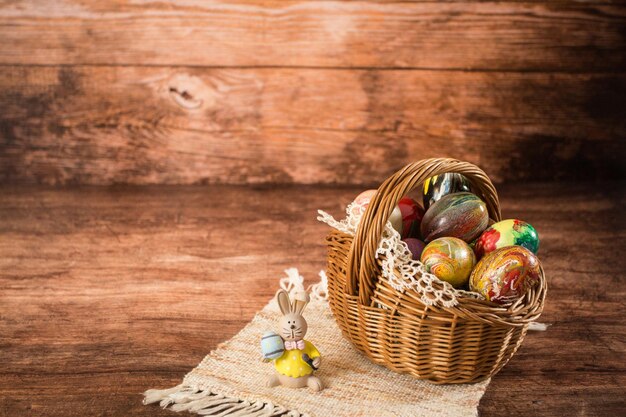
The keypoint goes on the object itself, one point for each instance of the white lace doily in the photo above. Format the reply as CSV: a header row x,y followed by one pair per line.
x,y
395,255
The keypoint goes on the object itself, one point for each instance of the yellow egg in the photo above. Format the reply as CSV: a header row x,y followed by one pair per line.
x,y
450,259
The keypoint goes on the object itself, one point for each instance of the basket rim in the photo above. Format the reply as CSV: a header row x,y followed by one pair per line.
x,y
361,262
519,313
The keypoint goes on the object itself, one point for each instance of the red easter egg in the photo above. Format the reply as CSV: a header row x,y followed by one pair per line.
x,y
412,214
486,242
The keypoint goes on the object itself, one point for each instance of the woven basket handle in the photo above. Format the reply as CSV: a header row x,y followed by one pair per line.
x,y
362,270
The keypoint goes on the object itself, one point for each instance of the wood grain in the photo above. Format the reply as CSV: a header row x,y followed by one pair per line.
x,y
107,292
181,125
510,36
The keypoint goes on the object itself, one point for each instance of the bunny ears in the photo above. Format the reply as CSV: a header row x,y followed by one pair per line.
x,y
301,299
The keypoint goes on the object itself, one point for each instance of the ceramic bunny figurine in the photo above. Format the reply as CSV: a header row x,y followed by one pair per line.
x,y
296,363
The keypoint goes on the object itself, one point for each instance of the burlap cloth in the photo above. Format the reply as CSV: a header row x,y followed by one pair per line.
x,y
230,381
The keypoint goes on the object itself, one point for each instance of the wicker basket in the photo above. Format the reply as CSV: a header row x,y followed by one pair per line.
x,y
468,342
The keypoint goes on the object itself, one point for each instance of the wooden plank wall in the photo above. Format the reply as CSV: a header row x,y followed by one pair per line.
x,y
195,91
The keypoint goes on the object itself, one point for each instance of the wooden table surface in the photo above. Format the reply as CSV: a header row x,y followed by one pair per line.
x,y
106,292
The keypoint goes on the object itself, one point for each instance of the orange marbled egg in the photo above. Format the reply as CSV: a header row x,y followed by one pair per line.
x,y
504,275
449,259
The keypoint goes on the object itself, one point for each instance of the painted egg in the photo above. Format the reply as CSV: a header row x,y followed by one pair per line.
x,y
396,219
507,233
416,247
272,346
505,274
412,214
461,215
449,259
361,202
434,188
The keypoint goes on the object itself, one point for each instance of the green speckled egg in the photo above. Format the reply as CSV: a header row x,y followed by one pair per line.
x,y
507,233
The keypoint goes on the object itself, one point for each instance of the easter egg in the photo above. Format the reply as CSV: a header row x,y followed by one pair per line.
x,y
416,247
272,346
434,188
361,202
396,219
412,214
461,215
505,274
507,233
449,259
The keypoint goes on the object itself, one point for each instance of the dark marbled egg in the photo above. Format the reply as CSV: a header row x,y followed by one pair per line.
x,y
434,188
460,215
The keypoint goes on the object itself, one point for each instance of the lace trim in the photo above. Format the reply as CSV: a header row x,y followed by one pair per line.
x,y
396,256
294,282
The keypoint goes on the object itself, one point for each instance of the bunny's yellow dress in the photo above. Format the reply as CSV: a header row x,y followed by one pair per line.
x,y
291,362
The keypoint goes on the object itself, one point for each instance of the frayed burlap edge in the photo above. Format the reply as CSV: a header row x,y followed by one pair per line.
x,y
204,400
230,380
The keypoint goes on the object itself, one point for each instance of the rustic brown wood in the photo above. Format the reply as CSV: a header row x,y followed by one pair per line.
x,y
109,291
567,36
104,125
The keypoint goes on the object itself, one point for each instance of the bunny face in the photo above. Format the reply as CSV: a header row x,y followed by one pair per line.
x,y
292,325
